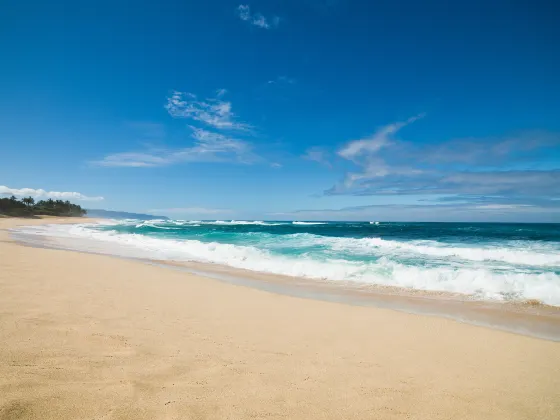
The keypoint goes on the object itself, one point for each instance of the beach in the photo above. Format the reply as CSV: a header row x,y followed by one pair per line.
x,y
85,336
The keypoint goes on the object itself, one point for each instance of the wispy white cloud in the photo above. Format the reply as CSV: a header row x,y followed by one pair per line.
x,y
502,206
260,21
137,159
213,112
364,153
40,193
244,12
208,147
372,144
282,80
256,19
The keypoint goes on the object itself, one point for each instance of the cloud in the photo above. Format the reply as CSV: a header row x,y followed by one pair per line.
x,y
365,147
260,21
502,166
478,151
365,154
137,159
256,19
530,183
282,80
319,155
431,212
40,193
191,210
502,206
489,201
513,182
213,112
208,147
244,12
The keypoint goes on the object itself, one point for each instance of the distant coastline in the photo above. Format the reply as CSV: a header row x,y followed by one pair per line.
x,y
109,214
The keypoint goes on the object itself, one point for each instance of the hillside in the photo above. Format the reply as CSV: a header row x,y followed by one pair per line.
x,y
109,214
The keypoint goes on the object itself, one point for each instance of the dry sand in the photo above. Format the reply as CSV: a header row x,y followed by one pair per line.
x,y
93,337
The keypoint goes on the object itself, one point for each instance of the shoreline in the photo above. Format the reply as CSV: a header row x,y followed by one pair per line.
x,y
87,336
520,317
538,321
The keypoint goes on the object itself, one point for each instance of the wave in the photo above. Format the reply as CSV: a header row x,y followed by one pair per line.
x,y
231,223
478,281
166,223
239,222
155,225
308,223
529,254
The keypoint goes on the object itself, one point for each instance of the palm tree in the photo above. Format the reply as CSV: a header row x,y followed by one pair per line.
x,y
28,201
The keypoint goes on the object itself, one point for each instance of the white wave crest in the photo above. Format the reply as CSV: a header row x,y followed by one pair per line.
x,y
237,222
518,253
308,223
158,223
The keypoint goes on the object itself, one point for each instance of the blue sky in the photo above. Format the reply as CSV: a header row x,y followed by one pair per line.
x,y
303,109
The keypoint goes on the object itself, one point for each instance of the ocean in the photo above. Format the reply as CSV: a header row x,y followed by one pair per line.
x,y
481,261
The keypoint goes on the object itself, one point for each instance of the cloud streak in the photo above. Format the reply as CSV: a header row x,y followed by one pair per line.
x,y
257,19
490,211
530,183
40,193
207,146
282,80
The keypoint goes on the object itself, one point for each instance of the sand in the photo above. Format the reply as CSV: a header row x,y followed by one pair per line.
x,y
86,336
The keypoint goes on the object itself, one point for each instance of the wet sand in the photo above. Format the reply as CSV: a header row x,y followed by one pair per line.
x,y
528,318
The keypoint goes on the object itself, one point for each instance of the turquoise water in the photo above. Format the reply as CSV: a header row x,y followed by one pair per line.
x,y
481,260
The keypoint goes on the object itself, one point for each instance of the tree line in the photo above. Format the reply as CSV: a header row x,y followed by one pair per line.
x,y
27,207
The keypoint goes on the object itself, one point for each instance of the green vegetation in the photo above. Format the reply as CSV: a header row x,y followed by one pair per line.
x,y
26,207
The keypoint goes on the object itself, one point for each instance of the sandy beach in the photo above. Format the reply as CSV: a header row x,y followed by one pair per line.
x,y
86,336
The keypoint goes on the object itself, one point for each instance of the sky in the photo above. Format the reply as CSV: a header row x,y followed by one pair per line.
x,y
285,109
